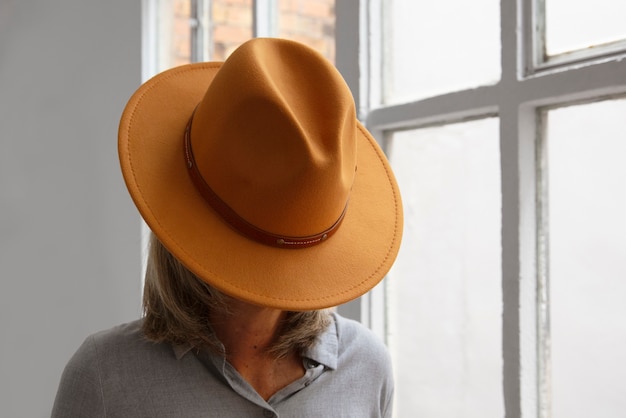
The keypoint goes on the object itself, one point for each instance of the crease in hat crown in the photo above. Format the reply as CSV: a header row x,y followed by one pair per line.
x,y
275,147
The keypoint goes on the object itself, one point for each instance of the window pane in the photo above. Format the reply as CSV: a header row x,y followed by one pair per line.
x,y
435,47
587,278
174,33
572,25
231,25
445,298
311,22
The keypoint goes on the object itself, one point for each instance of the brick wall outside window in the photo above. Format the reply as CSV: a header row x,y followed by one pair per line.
x,y
311,22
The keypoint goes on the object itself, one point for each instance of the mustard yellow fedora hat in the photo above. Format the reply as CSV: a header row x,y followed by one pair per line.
x,y
257,176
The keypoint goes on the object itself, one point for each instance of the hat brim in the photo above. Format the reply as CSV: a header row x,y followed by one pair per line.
x,y
338,270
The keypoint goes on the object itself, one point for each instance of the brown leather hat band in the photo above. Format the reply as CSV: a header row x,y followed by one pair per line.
x,y
237,222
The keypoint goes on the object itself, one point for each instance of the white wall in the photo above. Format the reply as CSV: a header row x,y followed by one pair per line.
x,y
69,234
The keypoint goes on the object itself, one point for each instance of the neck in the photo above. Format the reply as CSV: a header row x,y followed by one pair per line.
x,y
247,329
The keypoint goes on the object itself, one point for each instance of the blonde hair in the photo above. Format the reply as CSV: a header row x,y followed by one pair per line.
x,y
177,306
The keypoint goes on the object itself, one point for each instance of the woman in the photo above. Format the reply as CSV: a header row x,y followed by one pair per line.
x,y
269,204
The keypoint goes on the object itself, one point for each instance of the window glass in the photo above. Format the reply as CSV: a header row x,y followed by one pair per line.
x,y
572,25
586,146
231,25
174,33
435,47
311,22
445,298
214,27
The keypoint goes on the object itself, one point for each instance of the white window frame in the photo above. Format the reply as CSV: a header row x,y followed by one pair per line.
x,y
535,46
530,82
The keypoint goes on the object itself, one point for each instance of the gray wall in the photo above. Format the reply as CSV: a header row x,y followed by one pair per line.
x,y
69,235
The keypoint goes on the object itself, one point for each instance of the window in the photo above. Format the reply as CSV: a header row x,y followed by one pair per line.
x,y
178,32
505,299
581,154
504,123
444,292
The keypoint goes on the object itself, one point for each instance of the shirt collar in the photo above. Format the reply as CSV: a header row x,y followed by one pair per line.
x,y
325,350
180,350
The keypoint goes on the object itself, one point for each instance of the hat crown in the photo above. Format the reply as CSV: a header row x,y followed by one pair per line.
x,y
275,138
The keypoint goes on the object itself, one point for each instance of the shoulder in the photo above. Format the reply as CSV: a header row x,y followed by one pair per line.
x,y
360,344
122,342
121,349
353,333
113,341
103,361
364,368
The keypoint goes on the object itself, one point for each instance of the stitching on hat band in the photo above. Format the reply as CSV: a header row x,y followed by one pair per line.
x,y
238,223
